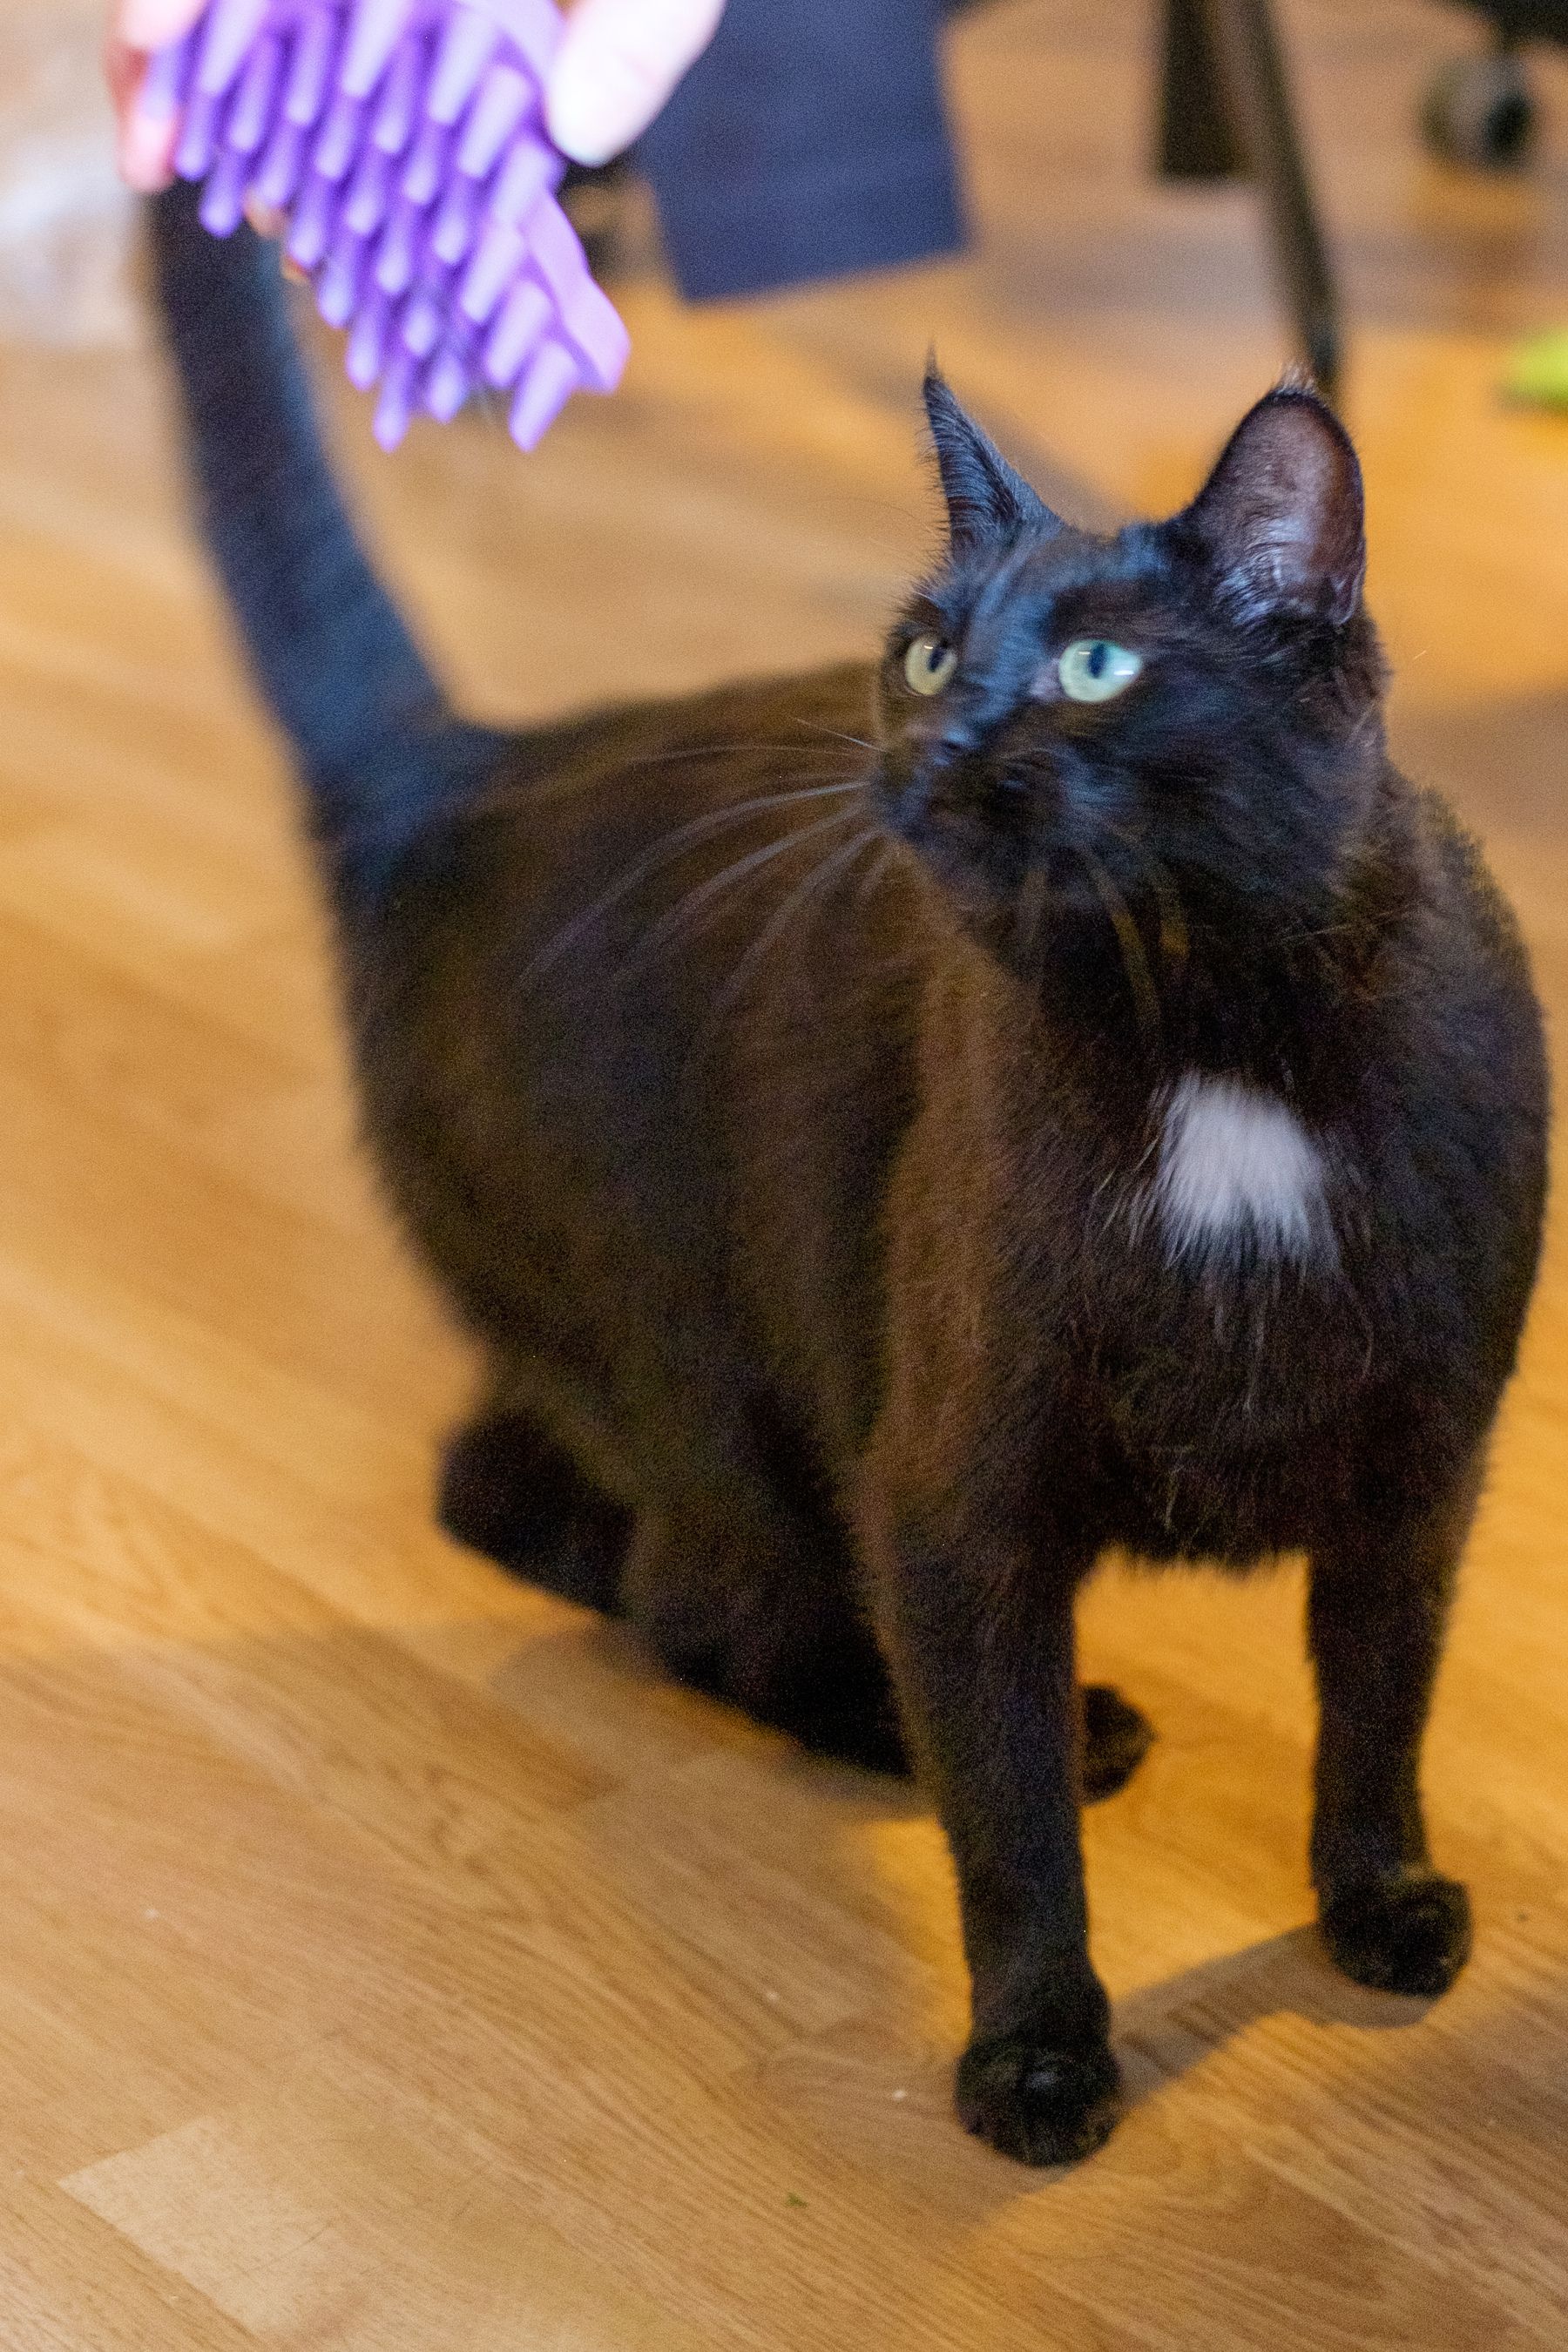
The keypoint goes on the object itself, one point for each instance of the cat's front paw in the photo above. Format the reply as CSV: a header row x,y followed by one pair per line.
x,y
1039,2105
1410,1934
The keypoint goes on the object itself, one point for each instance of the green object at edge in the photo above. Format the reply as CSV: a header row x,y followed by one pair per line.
x,y
1538,372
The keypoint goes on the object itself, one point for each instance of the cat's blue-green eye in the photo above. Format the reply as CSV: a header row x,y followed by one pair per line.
x,y
1093,669
929,664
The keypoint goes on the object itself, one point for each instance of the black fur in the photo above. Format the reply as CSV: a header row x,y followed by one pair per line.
x,y
782,1116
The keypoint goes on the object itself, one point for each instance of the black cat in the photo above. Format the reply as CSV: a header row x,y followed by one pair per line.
x,y
898,1134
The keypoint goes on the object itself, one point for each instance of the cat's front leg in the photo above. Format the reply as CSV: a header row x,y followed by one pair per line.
x,y
979,1627
1378,1603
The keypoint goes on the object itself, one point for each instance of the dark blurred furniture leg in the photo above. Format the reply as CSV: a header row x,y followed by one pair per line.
x,y
1196,141
1226,110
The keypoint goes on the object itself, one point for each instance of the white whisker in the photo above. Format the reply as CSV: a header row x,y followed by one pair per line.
x,y
668,847
1134,962
856,743
717,885
835,863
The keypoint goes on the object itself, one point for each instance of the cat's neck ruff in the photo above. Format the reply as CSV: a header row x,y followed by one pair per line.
x,y
1239,1175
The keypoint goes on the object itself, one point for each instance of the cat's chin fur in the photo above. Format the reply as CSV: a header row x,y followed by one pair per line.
x,y
892,1149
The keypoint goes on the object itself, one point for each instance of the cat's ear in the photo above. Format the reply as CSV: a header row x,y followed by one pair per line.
x,y
987,503
1282,513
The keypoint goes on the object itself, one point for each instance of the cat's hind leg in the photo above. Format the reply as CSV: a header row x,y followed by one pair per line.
x,y
742,1596
748,1617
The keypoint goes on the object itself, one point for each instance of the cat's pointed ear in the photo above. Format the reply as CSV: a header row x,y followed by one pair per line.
x,y
987,502
1282,513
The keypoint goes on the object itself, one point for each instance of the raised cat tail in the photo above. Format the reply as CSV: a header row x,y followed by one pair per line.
x,y
375,741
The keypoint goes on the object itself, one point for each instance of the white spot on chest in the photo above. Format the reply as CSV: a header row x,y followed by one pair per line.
x,y
1238,1173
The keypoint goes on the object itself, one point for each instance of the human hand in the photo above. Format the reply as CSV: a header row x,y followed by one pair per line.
x,y
136,27
615,68
618,66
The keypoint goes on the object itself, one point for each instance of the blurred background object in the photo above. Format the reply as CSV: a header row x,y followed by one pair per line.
x,y
65,221
1227,109
1481,109
810,142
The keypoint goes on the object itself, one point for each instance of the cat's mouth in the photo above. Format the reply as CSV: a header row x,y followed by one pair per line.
x,y
979,850
989,818
916,802
1016,876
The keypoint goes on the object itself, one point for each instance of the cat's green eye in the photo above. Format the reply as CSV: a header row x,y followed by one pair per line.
x,y
1092,669
929,664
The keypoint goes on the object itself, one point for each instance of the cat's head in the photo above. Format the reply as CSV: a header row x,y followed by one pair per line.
x,y
1177,727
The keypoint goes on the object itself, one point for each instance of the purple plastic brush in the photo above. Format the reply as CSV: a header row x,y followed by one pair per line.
x,y
403,140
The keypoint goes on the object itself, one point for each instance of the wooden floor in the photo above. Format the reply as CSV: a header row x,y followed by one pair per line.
x,y
387,1962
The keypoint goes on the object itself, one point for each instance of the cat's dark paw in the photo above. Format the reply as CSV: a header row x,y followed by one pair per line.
x,y
1401,1934
1041,2106
1117,1736
508,1492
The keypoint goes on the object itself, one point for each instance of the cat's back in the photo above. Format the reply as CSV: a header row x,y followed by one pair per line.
x,y
591,825
648,1002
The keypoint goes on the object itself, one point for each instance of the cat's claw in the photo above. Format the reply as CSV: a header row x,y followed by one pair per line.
x,y
1041,2106
1409,1934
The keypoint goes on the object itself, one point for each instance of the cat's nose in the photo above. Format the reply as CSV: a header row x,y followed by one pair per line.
x,y
944,742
